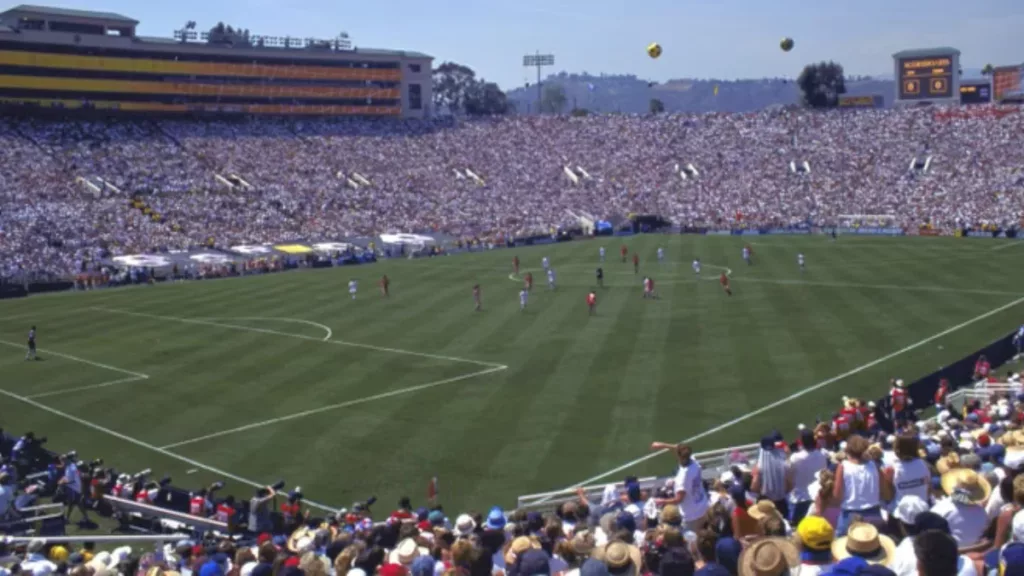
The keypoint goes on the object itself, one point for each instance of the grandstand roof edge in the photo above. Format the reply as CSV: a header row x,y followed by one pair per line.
x,y
69,12
921,52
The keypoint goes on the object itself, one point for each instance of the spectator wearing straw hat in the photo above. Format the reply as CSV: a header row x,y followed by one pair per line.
x,y
865,542
625,560
964,508
769,557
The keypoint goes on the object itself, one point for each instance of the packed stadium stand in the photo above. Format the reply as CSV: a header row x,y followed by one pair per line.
x,y
224,183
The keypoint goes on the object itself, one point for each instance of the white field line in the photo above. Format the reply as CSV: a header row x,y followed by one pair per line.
x,y
300,337
130,439
795,395
84,388
744,279
337,406
138,375
1007,245
271,319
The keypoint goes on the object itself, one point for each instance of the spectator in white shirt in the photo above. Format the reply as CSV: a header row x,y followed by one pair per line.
x,y
690,494
859,486
71,481
909,475
964,509
804,466
36,563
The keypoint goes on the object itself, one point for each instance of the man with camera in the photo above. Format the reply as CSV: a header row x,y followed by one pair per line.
x,y
259,508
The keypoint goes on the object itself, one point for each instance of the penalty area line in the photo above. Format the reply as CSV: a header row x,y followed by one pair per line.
x,y
337,406
795,395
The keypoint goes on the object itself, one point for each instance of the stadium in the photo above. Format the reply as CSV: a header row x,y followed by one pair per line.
x,y
285,316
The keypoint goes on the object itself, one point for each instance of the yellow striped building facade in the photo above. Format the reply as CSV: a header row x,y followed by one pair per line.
x,y
68,59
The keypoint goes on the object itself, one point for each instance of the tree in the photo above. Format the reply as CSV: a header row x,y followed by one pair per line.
x,y
657,106
485,99
451,82
822,84
554,99
579,112
987,70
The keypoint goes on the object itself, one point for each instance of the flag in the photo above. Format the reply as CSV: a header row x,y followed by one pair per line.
x,y
432,489
716,89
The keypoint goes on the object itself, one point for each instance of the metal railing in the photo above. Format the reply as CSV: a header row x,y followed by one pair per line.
x,y
713,463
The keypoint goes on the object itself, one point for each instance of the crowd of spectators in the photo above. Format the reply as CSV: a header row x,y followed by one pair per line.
x,y
936,497
66,187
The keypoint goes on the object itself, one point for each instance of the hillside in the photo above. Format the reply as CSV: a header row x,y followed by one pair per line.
x,y
629,94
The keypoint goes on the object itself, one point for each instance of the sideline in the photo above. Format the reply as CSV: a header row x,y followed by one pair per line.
x,y
794,396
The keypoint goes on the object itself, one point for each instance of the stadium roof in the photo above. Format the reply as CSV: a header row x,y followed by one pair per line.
x,y
380,52
71,13
925,52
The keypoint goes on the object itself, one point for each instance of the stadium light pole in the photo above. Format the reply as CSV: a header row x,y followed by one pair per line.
x,y
538,61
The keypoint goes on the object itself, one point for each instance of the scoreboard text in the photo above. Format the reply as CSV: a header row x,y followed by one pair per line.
x,y
926,78
975,93
1006,80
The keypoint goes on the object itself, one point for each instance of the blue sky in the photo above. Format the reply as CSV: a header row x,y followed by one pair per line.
x,y
701,38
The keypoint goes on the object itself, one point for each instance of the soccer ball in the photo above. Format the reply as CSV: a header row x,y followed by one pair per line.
x,y
654,50
786,44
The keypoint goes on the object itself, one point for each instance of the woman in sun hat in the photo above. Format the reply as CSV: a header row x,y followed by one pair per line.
x,y
964,509
769,557
864,541
623,559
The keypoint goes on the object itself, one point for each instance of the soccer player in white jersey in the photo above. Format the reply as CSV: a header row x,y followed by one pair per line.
x,y
746,255
551,278
524,295
352,287
544,263
601,252
661,254
696,266
800,261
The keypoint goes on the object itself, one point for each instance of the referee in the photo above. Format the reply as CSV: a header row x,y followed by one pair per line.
x,y
600,277
31,354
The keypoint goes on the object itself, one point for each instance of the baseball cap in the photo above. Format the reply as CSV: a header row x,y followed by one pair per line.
x,y
815,533
534,562
1011,560
909,507
625,521
594,567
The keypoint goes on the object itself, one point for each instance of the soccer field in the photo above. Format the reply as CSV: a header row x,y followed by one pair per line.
x,y
285,377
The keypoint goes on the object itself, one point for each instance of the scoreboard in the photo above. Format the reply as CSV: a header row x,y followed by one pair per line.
x,y
926,78
975,93
1006,80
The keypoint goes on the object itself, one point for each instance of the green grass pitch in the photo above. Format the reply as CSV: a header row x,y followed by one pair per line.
x,y
238,377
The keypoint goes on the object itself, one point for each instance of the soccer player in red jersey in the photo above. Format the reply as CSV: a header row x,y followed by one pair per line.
x,y
592,303
476,298
624,251
724,281
515,264
636,263
528,281
384,285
